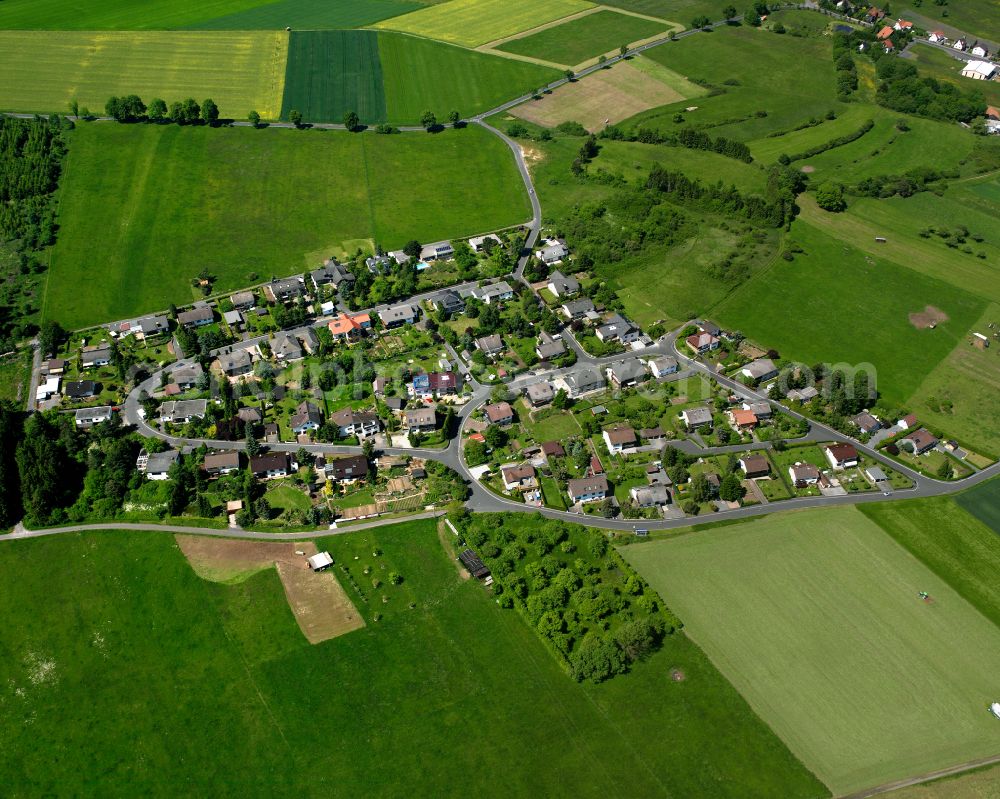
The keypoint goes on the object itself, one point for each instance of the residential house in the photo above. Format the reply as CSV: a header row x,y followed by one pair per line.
x,y
552,253
806,394
650,496
662,366
755,466
271,433
618,438
743,419
762,410
284,290
96,355
236,363
232,318
55,367
349,326
652,435
356,423
88,417
866,423
979,70
539,393
183,411
346,470
874,14
149,326
243,300
518,478
480,243
656,476
580,382
156,465
448,301
552,449
435,383
920,440
563,285
959,45
249,416
440,251
627,372
888,46
617,328
908,422
903,25
938,37
885,33
331,274
285,347
877,476
587,489
491,346
399,315
842,456
420,420
309,339
803,474
760,370
703,342
494,292
47,389
577,309
696,417
549,347
80,389
198,316
218,463
499,413
270,465
307,417
379,385
979,50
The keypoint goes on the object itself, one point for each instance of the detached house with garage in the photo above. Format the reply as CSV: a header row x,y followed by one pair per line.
x,y
920,441
626,373
270,466
563,285
284,290
183,411
760,370
499,413
587,489
399,315
307,418
198,316
420,420
618,438
617,328
842,456
356,423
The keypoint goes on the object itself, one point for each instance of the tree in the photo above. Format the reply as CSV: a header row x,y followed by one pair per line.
x,y
729,12
295,118
731,488
412,248
50,337
157,110
428,120
209,112
475,453
944,470
368,448
637,638
623,50
830,197
700,22
454,118
352,121
253,447
570,74
751,18
254,119
561,400
701,489
595,659
74,108
186,112
495,437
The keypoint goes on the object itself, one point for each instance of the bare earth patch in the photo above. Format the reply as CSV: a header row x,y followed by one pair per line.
x,y
321,607
928,318
808,169
677,675
600,99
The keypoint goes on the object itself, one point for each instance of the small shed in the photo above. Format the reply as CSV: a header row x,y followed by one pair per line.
x,y
320,561
474,564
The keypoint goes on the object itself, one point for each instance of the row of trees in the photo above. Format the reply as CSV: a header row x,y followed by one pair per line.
x,y
130,108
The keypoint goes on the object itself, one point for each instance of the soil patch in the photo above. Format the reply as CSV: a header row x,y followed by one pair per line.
x,y
677,675
808,169
928,318
321,607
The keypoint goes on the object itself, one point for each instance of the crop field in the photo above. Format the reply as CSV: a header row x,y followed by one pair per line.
x,y
225,668
475,22
832,276
586,37
422,75
115,14
239,70
333,72
786,96
159,203
310,15
605,97
814,616
981,783
682,11
983,502
962,394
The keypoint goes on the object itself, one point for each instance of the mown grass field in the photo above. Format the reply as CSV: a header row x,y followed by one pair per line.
x,y
983,502
177,670
161,203
332,72
583,38
814,616
475,22
792,143
842,316
115,14
981,783
239,70
682,11
310,15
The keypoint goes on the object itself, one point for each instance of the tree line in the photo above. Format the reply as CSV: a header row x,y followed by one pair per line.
x,y
130,108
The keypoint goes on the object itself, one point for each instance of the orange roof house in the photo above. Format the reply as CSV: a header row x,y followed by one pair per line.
x,y
885,33
744,418
345,326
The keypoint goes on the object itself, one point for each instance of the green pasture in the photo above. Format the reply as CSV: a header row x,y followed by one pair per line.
x,y
983,502
815,617
586,37
475,22
310,15
682,11
161,203
423,75
843,316
239,70
115,14
768,149
177,670
332,72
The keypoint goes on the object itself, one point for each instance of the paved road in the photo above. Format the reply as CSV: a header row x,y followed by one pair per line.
x,y
36,367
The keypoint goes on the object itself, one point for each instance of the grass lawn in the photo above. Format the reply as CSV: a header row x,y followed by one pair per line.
x,y
583,38
551,495
288,497
239,70
831,276
310,15
814,616
332,72
557,427
422,75
161,203
475,22
226,667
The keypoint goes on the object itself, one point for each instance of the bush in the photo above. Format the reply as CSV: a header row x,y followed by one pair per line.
x,y
596,659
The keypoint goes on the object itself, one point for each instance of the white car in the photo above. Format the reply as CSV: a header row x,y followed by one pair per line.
x,y
995,709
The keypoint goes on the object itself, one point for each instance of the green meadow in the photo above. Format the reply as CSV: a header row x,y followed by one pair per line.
x,y
160,203
211,689
941,66
310,15
116,14
815,617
